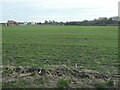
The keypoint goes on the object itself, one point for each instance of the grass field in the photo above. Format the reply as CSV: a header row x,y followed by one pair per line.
x,y
88,47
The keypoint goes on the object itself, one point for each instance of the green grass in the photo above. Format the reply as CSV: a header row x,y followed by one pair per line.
x,y
92,47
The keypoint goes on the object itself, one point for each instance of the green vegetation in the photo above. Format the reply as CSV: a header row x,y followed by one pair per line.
x,y
62,83
100,86
81,47
110,83
104,85
88,47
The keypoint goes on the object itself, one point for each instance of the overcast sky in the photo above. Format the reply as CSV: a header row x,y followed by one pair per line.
x,y
58,10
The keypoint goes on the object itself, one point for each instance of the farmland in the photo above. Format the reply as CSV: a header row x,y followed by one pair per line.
x,y
81,47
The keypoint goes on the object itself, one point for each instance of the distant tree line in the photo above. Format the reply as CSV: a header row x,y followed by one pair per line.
x,y
102,21
52,22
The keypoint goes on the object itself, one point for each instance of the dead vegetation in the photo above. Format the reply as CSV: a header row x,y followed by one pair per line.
x,y
49,77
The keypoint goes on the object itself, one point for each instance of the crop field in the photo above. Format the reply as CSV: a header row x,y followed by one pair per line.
x,y
92,48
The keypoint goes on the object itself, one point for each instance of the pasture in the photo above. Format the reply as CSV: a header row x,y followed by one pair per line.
x,y
81,47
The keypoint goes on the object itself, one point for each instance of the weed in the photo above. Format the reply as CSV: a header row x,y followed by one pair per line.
x,y
100,86
110,83
62,83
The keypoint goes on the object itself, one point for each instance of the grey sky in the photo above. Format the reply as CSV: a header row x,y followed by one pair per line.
x,y
58,10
